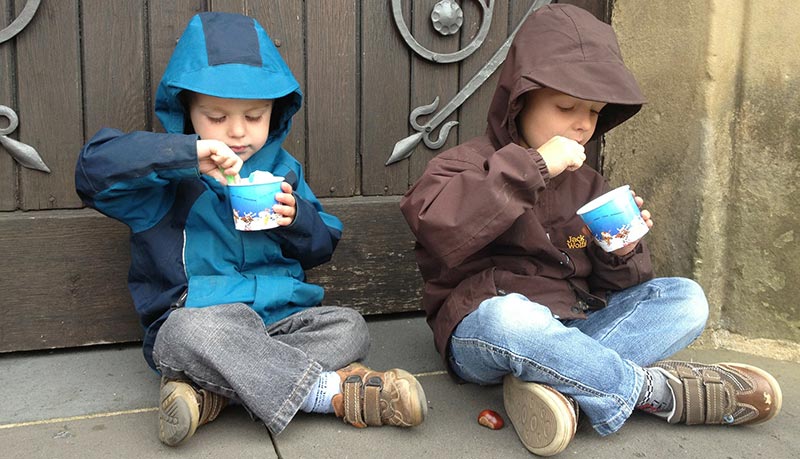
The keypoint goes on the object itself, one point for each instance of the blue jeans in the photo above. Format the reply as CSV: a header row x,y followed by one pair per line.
x,y
228,350
597,361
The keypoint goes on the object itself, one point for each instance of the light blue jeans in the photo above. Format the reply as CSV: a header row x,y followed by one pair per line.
x,y
597,361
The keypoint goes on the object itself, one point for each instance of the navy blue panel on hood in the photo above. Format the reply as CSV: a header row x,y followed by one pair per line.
x,y
230,39
230,56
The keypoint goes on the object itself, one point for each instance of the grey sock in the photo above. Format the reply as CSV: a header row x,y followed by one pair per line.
x,y
655,396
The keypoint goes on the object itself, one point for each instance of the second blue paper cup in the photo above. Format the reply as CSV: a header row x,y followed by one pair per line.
x,y
614,219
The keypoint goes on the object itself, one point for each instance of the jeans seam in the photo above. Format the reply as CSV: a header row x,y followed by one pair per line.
x,y
516,357
279,414
196,378
656,294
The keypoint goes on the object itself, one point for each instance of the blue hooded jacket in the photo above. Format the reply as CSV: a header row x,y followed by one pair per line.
x,y
182,234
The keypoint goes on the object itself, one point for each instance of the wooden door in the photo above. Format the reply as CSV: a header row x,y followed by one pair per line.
x,y
79,65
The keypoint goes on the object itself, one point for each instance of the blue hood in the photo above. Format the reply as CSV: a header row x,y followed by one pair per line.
x,y
230,56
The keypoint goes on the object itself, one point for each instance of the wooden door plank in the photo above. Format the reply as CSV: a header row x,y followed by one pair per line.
x,y
472,115
49,85
284,22
167,20
114,70
385,73
8,167
373,269
332,99
430,80
67,284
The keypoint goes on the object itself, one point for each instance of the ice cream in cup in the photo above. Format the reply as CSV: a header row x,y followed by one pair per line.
x,y
252,199
614,219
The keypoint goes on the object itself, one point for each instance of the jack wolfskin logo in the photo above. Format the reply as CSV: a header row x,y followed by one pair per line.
x,y
576,242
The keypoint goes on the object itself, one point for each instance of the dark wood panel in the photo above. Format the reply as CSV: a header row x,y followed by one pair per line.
x,y
167,20
332,98
385,71
284,22
8,167
373,269
472,114
430,80
114,72
65,284
49,91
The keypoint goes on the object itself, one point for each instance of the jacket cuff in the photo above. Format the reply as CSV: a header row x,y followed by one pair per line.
x,y
540,164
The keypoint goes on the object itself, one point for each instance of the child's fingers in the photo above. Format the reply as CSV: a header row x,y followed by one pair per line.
x,y
286,188
286,198
217,175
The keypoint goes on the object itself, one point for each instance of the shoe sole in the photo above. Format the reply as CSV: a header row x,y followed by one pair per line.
x,y
419,410
542,417
175,416
777,395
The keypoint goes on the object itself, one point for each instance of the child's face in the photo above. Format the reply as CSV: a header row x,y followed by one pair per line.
x,y
243,124
548,113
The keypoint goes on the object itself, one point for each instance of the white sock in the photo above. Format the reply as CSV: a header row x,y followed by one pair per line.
x,y
322,392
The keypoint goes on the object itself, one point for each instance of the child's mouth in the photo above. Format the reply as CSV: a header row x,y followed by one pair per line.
x,y
238,149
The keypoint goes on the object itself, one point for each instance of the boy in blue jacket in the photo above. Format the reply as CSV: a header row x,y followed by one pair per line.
x,y
227,314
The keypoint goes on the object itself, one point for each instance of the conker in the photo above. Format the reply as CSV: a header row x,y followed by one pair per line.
x,y
490,419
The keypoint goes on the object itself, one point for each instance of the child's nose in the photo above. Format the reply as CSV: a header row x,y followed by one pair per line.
x,y
236,128
584,122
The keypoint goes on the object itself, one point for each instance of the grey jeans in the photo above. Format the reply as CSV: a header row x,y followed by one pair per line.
x,y
227,349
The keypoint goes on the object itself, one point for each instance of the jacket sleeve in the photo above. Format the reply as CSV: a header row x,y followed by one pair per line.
x,y
133,177
462,203
314,234
611,272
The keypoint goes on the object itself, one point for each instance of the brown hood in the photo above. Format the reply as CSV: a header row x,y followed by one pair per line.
x,y
563,47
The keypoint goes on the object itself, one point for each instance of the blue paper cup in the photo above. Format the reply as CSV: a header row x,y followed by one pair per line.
x,y
252,204
614,219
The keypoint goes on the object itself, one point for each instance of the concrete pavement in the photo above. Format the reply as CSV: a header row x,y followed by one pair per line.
x,y
100,402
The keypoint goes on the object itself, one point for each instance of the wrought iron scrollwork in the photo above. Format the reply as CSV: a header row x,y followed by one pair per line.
x,y
24,154
405,147
487,6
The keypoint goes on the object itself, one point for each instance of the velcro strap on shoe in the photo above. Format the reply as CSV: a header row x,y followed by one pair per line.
x,y
694,397
372,401
715,397
352,401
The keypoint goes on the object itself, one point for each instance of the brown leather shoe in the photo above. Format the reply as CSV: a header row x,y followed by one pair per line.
x,y
374,398
184,408
544,418
725,393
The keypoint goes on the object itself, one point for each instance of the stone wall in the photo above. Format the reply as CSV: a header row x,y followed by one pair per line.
x,y
715,155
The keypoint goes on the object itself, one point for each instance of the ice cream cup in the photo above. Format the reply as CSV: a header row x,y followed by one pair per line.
x,y
252,204
614,219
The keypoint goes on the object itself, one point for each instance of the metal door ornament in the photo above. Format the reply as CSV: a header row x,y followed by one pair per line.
x,y
24,154
405,147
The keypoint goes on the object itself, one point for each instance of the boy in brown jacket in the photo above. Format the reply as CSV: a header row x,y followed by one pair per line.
x,y
514,290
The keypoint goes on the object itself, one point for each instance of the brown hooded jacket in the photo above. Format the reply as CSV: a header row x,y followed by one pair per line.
x,y
488,218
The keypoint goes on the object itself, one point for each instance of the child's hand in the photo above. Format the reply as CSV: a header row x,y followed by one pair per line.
x,y
288,209
648,221
217,160
560,154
